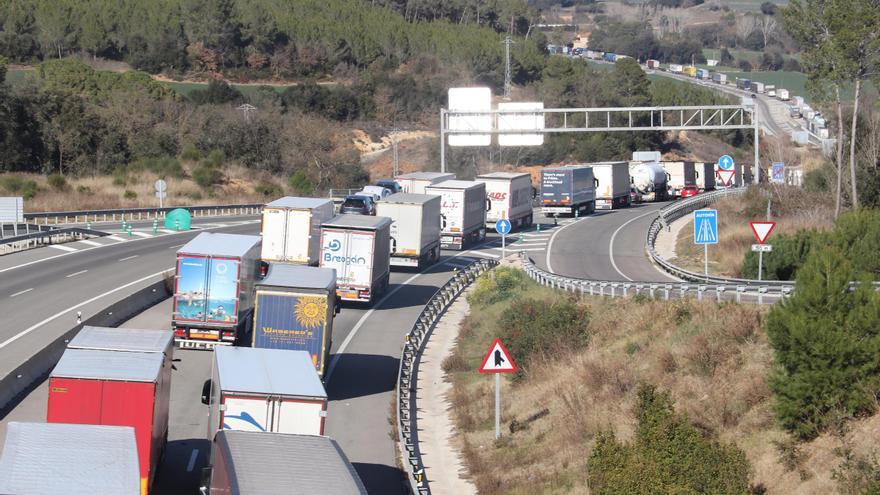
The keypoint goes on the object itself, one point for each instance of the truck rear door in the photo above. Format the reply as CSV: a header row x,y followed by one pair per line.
x,y
298,417
452,210
222,297
247,414
191,288
499,195
298,235
274,235
351,254
293,322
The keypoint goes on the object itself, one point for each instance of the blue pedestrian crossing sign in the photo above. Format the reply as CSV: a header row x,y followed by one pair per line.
x,y
706,227
502,226
725,162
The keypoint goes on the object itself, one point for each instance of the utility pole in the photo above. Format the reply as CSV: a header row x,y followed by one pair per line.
x,y
396,157
246,109
507,77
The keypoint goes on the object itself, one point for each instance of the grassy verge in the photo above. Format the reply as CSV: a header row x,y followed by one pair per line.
x,y
792,209
712,359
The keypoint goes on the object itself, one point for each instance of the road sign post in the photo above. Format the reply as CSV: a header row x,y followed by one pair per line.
x,y
761,231
497,361
503,227
706,232
161,187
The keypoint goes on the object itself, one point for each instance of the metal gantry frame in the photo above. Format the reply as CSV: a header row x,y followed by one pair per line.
x,y
613,119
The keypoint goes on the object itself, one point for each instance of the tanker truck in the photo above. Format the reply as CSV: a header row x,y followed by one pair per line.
x,y
649,179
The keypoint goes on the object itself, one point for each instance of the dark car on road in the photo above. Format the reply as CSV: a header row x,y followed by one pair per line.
x,y
389,184
358,205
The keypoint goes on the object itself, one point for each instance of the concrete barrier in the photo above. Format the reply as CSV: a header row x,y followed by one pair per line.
x,y
38,366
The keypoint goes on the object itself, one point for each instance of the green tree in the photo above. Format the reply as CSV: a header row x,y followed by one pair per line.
x,y
628,85
826,342
668,455
53,19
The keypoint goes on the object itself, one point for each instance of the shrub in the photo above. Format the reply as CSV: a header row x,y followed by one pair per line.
x,y
300,183
826,342
744,65
166,167
668,455
207,176
540,327
267,189
129,194
26,188
789,254
57,182
497,286
84,189
120,176
190,154
215,158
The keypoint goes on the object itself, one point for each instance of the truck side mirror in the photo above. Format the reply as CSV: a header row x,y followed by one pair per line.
x,y
596,182
206,392
263,269
534,192
488,204
442,221
205,485
393,245
337,306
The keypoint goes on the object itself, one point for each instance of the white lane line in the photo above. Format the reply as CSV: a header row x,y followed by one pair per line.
x,y
192,460
91,243
517,248
341,350
487,255
550,245
141,234
75,274
129,258
177,246
611,242
167,231
77,306
21,292
62,248
115,238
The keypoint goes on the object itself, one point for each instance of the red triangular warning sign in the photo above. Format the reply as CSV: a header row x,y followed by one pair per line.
x,y
497,360
726,176
762,230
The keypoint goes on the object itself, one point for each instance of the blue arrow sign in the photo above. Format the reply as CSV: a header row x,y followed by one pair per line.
x,y
777,172
725,162
502,226
706,227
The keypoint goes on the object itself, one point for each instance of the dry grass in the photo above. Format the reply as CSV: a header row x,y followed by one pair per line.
x,y
714,359
791,207
100,192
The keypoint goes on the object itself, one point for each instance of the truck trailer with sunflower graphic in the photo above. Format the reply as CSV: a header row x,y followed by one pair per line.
x,y
294,309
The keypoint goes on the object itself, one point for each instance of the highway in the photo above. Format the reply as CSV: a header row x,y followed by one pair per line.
x,y
366,341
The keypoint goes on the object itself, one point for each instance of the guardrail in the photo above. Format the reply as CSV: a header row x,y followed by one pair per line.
x,y
111,215
681,208
414,344
719,292
47,237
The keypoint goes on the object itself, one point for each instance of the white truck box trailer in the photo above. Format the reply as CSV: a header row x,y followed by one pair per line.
x,y
291,229
757,87
358,248
679,174
612,185
462,210
265,390
705,176
416,182
415,228
509,196
252,463
782,94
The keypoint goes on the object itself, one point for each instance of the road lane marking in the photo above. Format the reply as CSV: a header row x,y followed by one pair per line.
x,y
168,231
348,338
192,460
77,306
21,292
63,248
116,238
550,244
141,234
77,273
129,258
177,246
91,243
611,242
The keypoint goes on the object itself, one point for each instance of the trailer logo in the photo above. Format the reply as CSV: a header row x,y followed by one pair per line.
x,y
334,245
351,260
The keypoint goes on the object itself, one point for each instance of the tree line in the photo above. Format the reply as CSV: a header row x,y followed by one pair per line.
x,y
266,38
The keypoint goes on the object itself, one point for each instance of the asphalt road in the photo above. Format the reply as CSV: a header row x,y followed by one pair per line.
x,y
609,245
366,341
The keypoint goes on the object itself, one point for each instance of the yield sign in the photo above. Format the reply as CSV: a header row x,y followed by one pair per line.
x,y
726,176
497,360
762,230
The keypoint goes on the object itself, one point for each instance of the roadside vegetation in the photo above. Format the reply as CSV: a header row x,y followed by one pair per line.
x,y
627,395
